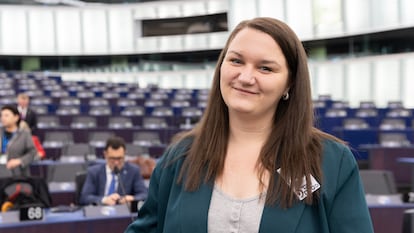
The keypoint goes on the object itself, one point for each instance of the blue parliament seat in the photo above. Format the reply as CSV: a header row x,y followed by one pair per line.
x,y
119,122
147,138
70,101
81,122
77,152
68,110
162,111
100,111
98,101
126,102
133,111
83,94
47,122
40,109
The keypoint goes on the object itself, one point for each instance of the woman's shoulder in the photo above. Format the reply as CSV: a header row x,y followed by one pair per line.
x,y
331,146
176,151
24,131
337,158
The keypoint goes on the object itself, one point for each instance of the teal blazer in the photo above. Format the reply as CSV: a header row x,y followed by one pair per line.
x,y
341,207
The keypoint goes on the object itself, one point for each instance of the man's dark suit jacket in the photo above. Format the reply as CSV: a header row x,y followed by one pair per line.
x,y
31,120
94,188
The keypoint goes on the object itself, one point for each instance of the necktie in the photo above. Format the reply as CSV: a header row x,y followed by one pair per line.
x,y
112,185
23,114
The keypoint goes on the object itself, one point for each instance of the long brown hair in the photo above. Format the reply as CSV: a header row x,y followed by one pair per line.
x,y
294,144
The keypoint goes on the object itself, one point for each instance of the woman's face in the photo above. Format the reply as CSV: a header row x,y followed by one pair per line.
x,y
8,118
254,74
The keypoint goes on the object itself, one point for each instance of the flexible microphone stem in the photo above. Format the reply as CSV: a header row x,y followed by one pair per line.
x,y
121,184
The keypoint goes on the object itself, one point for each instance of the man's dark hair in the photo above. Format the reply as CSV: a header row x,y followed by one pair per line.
x,y
13,109
115,142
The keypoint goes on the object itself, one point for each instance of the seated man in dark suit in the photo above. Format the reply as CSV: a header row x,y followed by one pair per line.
x,y
27,115
102,186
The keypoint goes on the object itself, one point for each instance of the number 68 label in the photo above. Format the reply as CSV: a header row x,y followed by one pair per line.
x,y
34,213
31,213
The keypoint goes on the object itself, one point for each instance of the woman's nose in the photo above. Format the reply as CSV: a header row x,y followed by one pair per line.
x,y
247,75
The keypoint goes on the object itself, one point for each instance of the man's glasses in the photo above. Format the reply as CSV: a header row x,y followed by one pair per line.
x,y
115,158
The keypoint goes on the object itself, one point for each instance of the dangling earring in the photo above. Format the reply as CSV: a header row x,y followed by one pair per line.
x,y
285,96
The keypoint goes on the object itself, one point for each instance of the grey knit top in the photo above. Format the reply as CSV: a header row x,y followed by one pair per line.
x,y
230,215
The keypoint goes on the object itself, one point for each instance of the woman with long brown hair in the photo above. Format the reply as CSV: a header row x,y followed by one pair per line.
x,y
255,162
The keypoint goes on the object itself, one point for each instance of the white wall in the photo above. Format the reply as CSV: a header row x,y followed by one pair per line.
x,y
13,31
41,31
95,31
112,29
69,31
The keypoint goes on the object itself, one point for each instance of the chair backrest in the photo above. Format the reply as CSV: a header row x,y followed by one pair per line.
x,y
85,94
355,123
393,139
146,138
57,139
153,103
154,123
44,122
178,103
191,112
133,111
64,172
39,109
366,112
110,95
70,101
336,112
162,111
82,122
379,182
367,105
400,112
80,178
77,152
41,100
98,102
120,123
98,138
391,124
37,189
408,221
124,102
395,104
68,110
100,110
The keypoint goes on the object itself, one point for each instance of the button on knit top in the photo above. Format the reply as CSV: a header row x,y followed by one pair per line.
x,y
229,215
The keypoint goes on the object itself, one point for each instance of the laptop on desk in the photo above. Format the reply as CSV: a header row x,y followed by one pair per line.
x,y
105,211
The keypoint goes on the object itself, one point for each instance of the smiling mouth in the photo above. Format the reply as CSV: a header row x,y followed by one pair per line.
x,y
245,91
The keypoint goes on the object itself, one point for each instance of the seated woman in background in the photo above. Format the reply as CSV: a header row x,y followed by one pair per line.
x,y
17,148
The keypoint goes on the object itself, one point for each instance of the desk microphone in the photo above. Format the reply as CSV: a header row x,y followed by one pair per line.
x,y
121,184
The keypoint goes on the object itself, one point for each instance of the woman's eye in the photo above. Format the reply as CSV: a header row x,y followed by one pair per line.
x,y
265,68
235,61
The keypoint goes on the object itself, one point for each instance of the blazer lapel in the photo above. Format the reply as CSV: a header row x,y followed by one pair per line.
x,y
102,180
276,219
